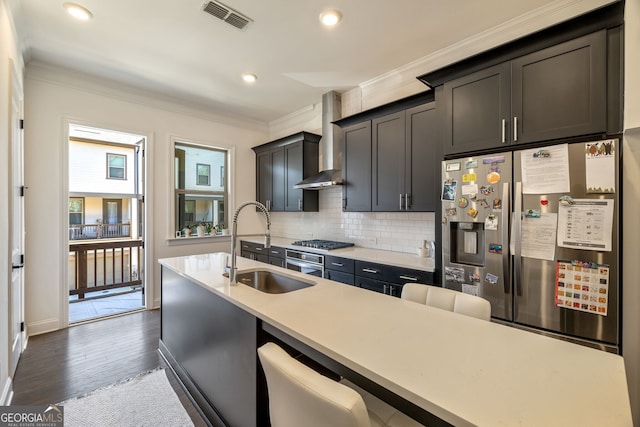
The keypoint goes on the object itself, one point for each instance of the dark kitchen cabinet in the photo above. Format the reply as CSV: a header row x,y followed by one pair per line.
x,y
421,170
276,256
477,110
270,176
254,251
560,91
339,269
388,161
553,93
388,279
356,168
280,165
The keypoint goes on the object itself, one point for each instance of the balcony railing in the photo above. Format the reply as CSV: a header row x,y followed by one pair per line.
x,y
100,266
99,231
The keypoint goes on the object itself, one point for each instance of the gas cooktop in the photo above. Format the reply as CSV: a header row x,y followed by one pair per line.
x,y
326,245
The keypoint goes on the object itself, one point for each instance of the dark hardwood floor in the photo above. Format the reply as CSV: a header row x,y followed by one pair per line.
x,y
75,361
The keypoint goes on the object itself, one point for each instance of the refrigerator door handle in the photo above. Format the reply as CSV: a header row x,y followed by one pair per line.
x,y
517,229
505,237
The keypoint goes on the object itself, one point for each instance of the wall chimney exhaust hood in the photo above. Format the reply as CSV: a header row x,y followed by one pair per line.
x,y
330,147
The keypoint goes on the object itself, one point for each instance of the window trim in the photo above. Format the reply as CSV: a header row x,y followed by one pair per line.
x,y
124,168
227,194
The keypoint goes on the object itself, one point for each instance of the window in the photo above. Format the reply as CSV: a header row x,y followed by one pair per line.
x,y
199,200
76,210
204,172
116,166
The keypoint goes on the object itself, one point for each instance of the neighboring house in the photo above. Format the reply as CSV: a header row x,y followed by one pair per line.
x,y
102,190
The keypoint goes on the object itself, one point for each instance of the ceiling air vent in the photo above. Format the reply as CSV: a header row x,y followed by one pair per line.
x,y
227,14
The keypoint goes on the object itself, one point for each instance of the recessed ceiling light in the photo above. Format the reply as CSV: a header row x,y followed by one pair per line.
x,y
77,11
249,77
330,17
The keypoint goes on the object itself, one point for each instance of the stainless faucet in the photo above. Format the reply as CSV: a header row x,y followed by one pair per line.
x,y
234,235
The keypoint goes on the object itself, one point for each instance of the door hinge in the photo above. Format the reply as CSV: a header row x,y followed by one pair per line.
x,y
142,198
21,326
142,243
22,259
22,188
21,123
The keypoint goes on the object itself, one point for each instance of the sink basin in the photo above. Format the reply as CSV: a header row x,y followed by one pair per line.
x,y
270,282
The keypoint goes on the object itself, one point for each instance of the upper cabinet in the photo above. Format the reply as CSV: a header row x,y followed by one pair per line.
x,y
388,159
280,165
356,168
403,165
553,93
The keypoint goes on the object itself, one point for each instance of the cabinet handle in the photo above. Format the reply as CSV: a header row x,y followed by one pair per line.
x,y
299,204
258,249
337,264
504,131
370,270
391,290
275,252
515,129
413,279
406,201
401,197
344,203
384,289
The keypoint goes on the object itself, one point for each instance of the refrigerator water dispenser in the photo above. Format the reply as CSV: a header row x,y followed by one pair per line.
x,y
467,243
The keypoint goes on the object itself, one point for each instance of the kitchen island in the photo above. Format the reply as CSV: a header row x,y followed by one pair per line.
x,y
459,369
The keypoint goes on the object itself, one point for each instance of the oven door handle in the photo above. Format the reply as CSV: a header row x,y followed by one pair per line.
x,y
302,264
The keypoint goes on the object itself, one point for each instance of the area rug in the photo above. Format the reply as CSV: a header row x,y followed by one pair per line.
x,y
145,400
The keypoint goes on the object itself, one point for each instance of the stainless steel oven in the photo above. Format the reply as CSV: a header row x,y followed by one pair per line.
x,y
305,262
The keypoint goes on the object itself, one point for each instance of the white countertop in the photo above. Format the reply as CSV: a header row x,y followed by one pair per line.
x,y
463,370
399,259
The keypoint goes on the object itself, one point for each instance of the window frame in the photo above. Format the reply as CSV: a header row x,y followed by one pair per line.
x,y
124,168
178,143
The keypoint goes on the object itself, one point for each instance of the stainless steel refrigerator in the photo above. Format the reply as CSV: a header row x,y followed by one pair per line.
x,y
536,232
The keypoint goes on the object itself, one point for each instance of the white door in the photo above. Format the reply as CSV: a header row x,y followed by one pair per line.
x,y
16,225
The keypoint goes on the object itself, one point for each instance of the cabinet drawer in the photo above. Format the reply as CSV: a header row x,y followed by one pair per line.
x,y
400,275
373,270
339,276
252,247
276,252
335,263
277,261
372,284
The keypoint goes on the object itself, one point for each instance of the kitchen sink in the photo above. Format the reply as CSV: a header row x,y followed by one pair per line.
x,y
271,282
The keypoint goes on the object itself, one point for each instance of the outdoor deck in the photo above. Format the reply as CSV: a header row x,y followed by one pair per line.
x,y
105,277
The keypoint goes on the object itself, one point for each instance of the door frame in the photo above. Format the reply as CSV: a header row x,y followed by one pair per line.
x,y
17,341
147,190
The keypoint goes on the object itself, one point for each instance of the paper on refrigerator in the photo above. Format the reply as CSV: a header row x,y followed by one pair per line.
x,y
586,224
545,170
538,239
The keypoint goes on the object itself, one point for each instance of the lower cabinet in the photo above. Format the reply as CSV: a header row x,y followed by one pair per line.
x,y
254,251
276,256
339,269
195,336
388,279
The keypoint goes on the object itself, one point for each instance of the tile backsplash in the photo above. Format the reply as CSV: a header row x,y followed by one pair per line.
x,y
393,231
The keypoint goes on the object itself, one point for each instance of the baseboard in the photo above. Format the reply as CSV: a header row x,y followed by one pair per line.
x,y
43,326
7,393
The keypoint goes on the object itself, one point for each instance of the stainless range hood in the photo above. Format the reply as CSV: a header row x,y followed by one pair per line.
x,y
330,147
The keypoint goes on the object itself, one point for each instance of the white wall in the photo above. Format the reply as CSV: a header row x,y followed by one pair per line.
x,y
631,197
8,53
53,96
